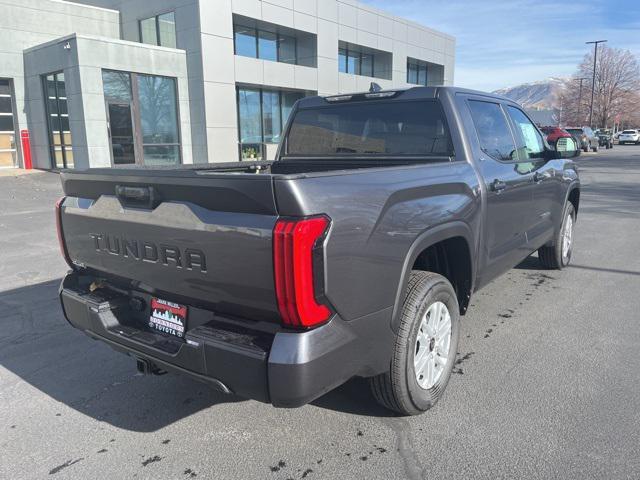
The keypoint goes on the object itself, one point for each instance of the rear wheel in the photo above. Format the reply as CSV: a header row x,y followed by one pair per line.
x,y
425,347
558,256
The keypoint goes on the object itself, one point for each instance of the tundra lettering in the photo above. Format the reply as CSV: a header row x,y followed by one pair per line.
x,y
353,254
149,252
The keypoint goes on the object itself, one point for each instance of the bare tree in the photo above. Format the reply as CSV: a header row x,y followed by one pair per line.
x,y
617,90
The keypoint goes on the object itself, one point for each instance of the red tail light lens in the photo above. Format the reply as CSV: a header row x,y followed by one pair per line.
x,y
298,267
63,248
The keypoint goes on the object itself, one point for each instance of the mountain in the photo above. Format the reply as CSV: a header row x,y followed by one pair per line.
x,y
542,95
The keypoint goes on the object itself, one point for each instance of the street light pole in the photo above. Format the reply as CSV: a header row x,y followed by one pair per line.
x,y
582,79
593,81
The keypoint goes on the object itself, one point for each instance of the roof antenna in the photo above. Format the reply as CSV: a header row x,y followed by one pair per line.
x,y
375,88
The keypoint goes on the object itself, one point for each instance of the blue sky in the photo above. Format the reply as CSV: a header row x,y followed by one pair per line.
x,y
507,42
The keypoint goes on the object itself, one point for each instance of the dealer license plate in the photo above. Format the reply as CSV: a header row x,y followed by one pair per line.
x,y
168,317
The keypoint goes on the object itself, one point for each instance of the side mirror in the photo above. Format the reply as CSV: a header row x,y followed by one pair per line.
x,y
567,147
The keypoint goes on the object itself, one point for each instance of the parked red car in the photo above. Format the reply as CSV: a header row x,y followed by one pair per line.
x,y
554,133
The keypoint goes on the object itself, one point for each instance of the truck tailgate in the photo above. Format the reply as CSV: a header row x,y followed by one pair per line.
x,y
202,240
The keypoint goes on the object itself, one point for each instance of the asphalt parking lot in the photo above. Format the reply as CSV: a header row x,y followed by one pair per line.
x,y
547,383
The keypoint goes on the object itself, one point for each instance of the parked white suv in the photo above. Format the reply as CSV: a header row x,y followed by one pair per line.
x,y
629,136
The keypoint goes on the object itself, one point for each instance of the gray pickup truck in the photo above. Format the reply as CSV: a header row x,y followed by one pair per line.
x,y
354,254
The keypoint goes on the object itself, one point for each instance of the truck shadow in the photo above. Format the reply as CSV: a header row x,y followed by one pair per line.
x,y
42,349
529,263
39,347
354,397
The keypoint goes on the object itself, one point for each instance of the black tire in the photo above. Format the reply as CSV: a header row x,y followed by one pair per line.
x,y
551,256
398,389
585,149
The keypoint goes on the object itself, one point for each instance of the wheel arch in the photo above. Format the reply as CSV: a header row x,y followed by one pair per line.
x,y
457,240
573,196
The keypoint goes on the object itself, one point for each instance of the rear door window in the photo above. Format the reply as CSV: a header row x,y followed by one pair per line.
x,y
493,130
372,129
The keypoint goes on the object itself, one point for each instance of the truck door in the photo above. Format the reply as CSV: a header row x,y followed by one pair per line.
x,y
509,206
546,188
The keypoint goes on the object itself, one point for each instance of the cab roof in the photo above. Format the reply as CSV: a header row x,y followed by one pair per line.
x,y
410,93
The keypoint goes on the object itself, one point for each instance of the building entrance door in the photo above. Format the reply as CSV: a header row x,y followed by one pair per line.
x,y
121,133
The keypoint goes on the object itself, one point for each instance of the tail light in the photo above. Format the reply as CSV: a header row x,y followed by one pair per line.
x,y
298,267
63,247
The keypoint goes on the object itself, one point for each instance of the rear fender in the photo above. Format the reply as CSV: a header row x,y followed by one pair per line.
x,y
423,241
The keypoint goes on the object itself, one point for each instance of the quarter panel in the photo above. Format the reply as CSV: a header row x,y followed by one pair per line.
x,y
377,215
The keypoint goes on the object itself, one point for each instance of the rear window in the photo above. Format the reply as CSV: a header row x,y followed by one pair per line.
x,y
629,132
575,131
372,129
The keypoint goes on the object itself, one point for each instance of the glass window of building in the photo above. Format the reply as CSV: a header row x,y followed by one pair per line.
x,y
143,118
287,49
262,114
417,72
254,42
271,116
366,65
159,30
60,143
267,46
158,120
245,41
8,150
357,60
167,30
342,60
148,31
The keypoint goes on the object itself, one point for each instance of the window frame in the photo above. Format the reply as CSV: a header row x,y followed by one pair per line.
x,y
137,118
156,18
507,119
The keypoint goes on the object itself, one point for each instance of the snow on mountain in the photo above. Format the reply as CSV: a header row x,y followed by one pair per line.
x,y
541,95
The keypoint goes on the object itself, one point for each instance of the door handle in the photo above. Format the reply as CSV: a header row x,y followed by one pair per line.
x,y
498,185
539,177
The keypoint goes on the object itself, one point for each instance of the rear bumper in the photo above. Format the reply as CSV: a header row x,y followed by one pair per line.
x,y
287,369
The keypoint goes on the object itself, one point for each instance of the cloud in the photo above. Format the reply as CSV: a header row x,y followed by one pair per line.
x,y
507,42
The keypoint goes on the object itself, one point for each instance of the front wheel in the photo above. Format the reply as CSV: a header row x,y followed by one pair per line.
x,y
558,255
425,347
